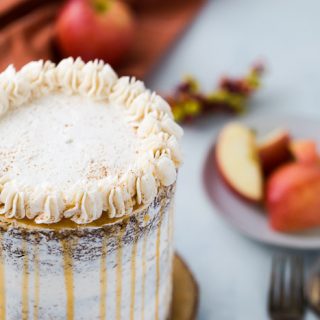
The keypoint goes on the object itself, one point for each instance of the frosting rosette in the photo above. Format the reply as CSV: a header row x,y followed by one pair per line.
x,y
81,143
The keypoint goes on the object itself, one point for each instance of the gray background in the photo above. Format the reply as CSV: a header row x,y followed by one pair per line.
x,y
228,35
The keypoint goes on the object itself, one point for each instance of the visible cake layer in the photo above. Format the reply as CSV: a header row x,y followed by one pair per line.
x,y
118,271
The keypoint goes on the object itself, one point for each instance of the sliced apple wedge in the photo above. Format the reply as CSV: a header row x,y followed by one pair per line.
x,y
238,162
274,150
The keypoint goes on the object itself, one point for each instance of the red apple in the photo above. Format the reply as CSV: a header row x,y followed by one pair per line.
x,y
274,150
238,163
292,197
95,29
304,151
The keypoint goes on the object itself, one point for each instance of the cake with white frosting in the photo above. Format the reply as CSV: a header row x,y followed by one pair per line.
x,y
88,165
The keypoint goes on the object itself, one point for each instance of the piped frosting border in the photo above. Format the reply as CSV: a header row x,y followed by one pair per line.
x,y
148,114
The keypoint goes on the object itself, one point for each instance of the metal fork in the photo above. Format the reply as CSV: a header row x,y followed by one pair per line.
x,y
286,295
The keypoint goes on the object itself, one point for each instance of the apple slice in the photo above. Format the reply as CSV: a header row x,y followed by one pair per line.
x,y
304,151
238,163
292,197
274,150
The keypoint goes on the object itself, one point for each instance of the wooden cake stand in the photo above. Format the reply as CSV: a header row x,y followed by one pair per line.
x,y
185,292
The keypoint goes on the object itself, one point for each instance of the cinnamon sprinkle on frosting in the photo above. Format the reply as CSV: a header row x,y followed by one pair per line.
x,y
79,142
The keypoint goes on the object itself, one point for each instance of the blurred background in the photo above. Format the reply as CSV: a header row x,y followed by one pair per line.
x,y
162,42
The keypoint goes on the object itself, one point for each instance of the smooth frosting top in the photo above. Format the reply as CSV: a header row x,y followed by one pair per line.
x,y
79,142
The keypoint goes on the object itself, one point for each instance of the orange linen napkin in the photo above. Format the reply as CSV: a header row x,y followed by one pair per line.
x,y
27,32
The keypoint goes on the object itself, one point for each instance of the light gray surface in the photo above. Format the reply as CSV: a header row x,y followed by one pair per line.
x,y
232,271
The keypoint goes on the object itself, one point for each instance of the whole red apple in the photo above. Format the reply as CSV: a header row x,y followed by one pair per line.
x,y
95,29
292,196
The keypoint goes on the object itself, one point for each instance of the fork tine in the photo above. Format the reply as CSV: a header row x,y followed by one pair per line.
x,y
276,291
286,295
273,283
300,275
282,281
296,282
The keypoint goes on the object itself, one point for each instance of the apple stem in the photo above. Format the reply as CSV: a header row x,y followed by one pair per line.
x,y
102,5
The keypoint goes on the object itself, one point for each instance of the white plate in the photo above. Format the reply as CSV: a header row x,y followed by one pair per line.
x,y
250,219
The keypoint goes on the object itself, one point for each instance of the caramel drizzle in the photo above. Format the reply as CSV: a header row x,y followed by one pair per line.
x,y
103,279
68,278
2,284
25,281
133,276
170,248
144,271
36,283
171,230
119,274
158,269
171,222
